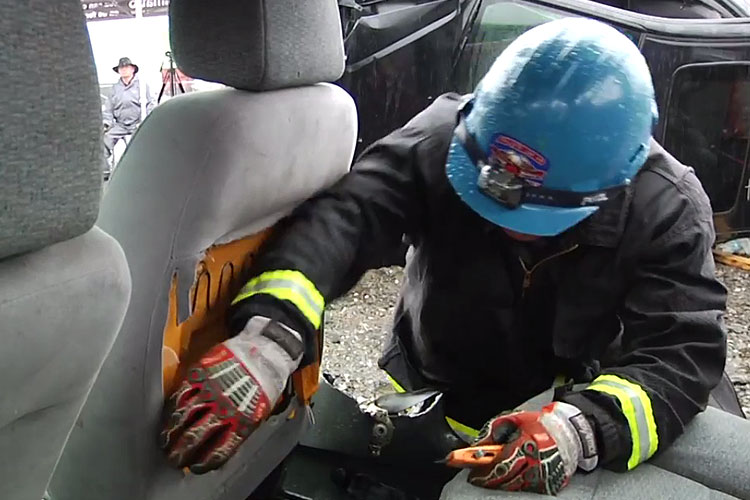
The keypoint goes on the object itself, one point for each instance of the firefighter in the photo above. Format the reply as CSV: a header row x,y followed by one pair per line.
x,y
551,237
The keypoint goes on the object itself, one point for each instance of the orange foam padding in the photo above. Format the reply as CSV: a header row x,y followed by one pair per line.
x,y
306,381
219,277
732,260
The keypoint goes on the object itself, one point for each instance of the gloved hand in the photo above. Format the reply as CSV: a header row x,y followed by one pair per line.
x,y
228,393
536,451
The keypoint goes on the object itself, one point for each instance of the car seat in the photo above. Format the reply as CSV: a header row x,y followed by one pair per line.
x,y
64,284
200,184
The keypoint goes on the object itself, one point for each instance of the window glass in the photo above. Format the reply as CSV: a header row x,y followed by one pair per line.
x,y
499,23
708,123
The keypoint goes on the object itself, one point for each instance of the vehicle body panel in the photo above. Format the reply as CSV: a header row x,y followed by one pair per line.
x,y
403,54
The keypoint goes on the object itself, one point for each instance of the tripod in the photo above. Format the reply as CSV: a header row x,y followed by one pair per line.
x,y
173,78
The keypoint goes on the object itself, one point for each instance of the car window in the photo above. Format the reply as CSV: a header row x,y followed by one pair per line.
x,y
708,126
499,22
677,9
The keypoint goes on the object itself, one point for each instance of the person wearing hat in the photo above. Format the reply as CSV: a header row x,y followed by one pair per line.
x,y
552,238
122,113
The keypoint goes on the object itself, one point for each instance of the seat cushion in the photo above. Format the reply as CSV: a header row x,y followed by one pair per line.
x,y
715,451
709,461
60,309
644,482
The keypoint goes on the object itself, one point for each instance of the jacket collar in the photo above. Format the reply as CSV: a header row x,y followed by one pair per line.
x,y
133,81
606,227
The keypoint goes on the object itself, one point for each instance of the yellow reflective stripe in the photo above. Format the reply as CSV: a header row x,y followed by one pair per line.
x,y
629,411
636,406
457,426
286,294
648,410
288,285
462,429
395,384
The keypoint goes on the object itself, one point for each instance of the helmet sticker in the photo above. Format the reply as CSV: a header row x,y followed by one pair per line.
x,y
518,159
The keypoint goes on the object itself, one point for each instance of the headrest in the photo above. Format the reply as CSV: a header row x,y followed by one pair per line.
x,y
258,44
50,144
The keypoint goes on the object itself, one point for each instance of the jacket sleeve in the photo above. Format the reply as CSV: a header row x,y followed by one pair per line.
x,y
150,102
326,245
673,343
108,112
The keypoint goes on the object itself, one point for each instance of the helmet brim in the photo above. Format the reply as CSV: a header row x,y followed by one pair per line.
x,y
537,220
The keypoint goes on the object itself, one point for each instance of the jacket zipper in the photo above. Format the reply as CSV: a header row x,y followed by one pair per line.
x,y
528,272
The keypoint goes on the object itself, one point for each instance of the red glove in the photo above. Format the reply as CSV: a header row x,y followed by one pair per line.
x,y
228,393
535,451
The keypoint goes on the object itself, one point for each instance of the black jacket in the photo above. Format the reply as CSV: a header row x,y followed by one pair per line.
x,y
630,292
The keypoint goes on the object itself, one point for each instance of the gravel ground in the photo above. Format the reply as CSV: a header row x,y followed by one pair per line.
x,y
357,326
738,329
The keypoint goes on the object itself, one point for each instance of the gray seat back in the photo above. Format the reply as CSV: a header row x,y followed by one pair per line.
x,y
64,285
696,466
202,180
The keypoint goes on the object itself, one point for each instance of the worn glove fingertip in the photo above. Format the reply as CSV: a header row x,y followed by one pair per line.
x,y
199,469
204,467
163,441
212,461
176,459
168,437
170,430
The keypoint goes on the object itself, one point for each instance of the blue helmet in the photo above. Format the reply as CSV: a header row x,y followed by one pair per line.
x,y
561,122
